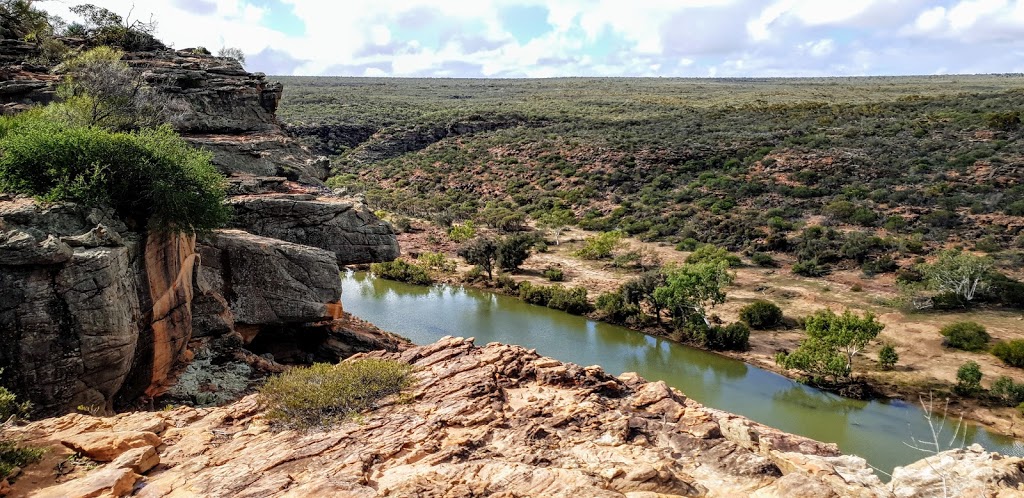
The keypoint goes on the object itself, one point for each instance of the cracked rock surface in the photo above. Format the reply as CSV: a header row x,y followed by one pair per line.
x,y
497,420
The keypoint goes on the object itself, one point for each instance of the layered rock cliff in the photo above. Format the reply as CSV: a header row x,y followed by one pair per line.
x,y
95,315
496,420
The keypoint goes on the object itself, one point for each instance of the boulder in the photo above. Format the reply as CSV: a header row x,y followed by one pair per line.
x,y
343,226
108,446
267,281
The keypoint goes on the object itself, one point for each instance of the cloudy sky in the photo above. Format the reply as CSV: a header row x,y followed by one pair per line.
x,y
536,38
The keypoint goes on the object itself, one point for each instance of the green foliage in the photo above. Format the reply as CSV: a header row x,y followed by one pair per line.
x,y
713,254
556,220
887,357
811,268
959,273
513,250
462,232
968,379
571,300
761,315
481,252
13,455
321,395
968,336
600,246
1003,121
616,308
402,271
104,27
554,274
1011,352
435,261
763,260
832,342
1007,392
689,289
149,177
732,337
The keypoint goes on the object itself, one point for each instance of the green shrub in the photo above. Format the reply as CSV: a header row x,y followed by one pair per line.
x,y
13,455
572,300
554,274
600,246
462,233
887,357
1007,392
1011,352
688,244
713,254
435,261
402,271
968,336
810,268
761,315
507,284
323,394
150,177
968,379
534,294
733,337
763,260
615,307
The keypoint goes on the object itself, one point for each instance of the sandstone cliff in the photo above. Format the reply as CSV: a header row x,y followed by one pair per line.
x,y
483,421
93,314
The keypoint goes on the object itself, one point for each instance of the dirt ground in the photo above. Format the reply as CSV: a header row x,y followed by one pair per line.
x,y
924,364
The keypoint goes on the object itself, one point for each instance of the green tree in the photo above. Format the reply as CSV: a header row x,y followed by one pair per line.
x,y
513,250
556,220
832,342
689,289
887,357
968,379
463,232
642,290
959,273
481,252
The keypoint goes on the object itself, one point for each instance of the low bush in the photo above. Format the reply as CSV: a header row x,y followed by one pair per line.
x,y
462,233
968,336
572,300
810,268
435,261
1011,352
887,357
732,337
1007,392
600,246
150,177
761,315
968,379
713,254
763,260
615,307
402,271
554,274
323,394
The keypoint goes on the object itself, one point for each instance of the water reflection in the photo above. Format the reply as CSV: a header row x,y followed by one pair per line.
x,y
876,431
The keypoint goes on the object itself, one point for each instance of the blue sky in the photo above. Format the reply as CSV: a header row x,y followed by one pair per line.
x,y
534,38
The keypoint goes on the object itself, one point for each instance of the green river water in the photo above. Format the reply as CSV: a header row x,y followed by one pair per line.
x,y
877,431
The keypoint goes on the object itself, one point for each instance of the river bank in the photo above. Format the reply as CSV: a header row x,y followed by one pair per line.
x,y
926,368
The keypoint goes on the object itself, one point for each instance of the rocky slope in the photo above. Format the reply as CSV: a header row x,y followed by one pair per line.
x,y
496,420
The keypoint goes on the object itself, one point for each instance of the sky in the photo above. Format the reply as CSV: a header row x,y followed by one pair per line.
x,y
536,38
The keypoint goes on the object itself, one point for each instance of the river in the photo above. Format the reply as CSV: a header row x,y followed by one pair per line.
x,y
876,430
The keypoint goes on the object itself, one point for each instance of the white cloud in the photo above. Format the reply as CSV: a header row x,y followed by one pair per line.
x,y
598,37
